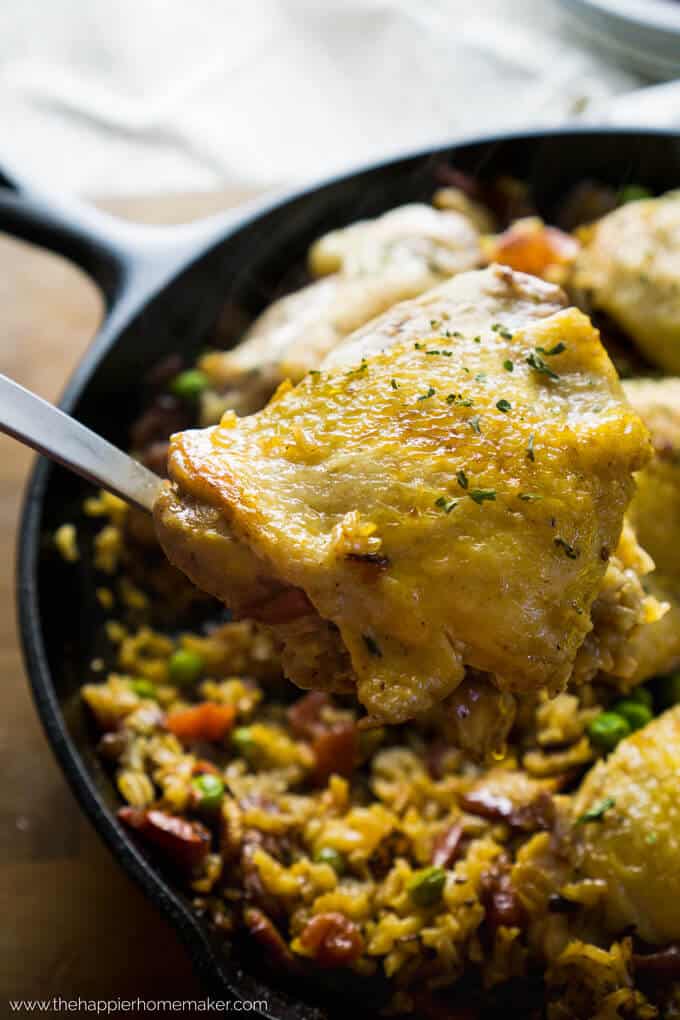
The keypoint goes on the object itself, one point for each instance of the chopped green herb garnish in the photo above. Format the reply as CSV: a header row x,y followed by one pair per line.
x,y
537,363
651,838
569,550
372,645
557,349
314,371
530,497
502,331
394,384
477,339
462,479
457,398
474,424
447,505
426,396
435,323
479,495
504,406
444,354
419,347
480,377
597,811
508,365
530,447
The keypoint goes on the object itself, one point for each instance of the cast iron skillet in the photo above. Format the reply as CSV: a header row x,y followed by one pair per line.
x,y
165,289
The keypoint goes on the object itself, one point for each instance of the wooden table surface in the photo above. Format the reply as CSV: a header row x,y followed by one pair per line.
x,y
73,924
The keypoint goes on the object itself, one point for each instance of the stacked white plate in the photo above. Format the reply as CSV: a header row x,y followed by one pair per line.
x,y
643,34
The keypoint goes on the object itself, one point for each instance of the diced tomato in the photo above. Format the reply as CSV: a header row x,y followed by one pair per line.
x,y
207,721
531,247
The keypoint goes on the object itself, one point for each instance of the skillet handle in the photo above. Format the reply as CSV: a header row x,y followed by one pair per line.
x,y
106,248
125,259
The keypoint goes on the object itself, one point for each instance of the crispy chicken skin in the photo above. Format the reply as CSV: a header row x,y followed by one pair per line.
x,y
366,268
629,267
427,506
655,515
634,845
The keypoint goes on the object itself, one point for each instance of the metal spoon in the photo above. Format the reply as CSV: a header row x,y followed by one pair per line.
x,y
33,421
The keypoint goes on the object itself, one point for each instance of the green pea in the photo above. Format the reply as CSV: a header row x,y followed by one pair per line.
x,y
633,193
328,855
607,729
635,713
667,691
242,739
184,667
643,695
190,384
210,790
426,887
144,688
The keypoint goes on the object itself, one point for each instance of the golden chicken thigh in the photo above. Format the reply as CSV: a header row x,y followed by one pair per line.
x,y
416,236
367,267
627,831
445,492
655,515
629,268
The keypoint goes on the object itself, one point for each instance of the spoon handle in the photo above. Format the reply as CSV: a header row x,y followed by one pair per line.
x,y
33,421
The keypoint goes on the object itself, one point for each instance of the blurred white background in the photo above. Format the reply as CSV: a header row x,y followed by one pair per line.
x,y
134,96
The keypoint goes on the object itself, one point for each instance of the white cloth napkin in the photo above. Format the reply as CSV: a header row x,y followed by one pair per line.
x,y
103,97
